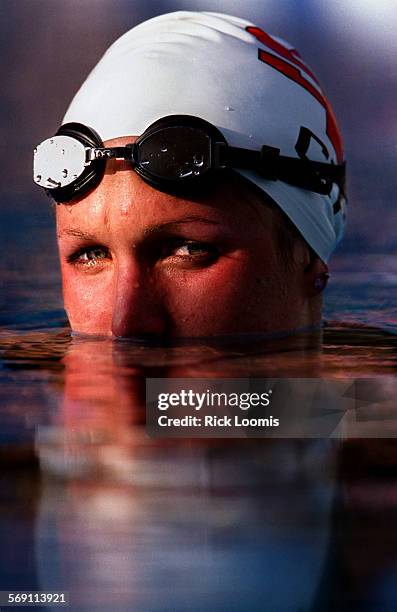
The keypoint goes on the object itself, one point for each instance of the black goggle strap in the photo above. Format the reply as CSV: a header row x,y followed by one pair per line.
x,y
303,173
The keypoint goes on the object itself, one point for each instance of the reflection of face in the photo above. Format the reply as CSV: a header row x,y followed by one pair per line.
x,y
136,261
113,497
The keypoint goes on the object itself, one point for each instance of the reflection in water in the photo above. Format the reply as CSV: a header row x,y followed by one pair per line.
x,y
187,530
184,525
126,522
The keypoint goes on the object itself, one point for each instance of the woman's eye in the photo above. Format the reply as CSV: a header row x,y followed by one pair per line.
x,y
198,252
89,257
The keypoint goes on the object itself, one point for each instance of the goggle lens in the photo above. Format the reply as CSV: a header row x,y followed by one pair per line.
x,y
174,153
58,161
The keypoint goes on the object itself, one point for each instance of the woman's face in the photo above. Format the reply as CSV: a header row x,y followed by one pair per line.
x,y
136,261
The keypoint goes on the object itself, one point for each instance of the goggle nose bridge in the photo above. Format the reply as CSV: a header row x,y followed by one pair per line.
x,y
103,153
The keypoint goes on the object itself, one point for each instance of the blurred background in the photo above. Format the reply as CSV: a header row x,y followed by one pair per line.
x,y
49,46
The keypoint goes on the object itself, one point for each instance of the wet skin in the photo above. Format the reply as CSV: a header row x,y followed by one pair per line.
x,y
136,261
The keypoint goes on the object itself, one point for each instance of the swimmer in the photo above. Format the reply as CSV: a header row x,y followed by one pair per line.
x,y
200,177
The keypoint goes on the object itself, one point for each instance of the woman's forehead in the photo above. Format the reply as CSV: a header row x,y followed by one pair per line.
x,y
124,200
120,141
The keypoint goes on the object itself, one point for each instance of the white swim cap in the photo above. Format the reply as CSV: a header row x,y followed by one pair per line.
x,y
253,87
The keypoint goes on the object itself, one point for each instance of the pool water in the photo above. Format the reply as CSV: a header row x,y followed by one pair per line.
x,y
90,505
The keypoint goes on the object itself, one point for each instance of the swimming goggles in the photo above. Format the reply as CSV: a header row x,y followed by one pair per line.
x,y
177,154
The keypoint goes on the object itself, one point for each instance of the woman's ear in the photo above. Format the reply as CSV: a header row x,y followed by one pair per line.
x,y
315,277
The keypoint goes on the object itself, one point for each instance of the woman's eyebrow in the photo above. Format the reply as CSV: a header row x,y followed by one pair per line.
x,y
159,227
76,233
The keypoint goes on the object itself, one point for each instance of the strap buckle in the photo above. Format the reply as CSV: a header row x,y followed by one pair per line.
x,y
268,163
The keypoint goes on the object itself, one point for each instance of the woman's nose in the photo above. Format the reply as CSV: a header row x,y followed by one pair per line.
x,y
137,305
